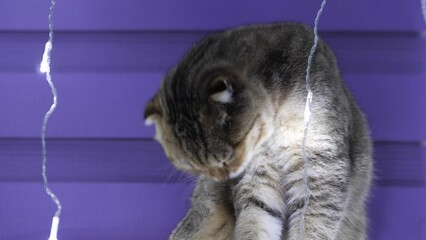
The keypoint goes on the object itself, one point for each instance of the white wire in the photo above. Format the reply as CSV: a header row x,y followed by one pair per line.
x,y
43,140
45,68
307,118
423,3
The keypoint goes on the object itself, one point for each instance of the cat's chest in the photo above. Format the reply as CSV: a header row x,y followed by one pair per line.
x,y
269,170
262,171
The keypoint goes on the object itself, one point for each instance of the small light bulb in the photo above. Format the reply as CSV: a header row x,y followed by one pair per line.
x,y
54,228
45,62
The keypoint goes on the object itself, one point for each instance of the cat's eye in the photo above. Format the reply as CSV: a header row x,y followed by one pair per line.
x,y
218,85
221,90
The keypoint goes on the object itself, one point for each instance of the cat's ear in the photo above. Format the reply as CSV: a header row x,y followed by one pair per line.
x,y
221,90
152,111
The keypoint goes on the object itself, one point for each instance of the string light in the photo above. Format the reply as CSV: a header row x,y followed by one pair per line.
x,y
45,68
307,118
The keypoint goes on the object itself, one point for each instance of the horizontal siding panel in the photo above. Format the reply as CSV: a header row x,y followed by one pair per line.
x,y
396,164
77,52
396,213
92,211
137,15
89,105
99,190
400,163
394,105
99,73
110,105
96,183
96,52
87,161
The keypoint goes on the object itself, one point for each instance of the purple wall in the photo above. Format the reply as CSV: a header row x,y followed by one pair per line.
x,y
108,60
135,15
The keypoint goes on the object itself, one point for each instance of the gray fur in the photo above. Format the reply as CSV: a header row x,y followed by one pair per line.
x,y
246,144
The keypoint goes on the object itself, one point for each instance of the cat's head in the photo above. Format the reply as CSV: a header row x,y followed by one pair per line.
x,y
209,118
216,107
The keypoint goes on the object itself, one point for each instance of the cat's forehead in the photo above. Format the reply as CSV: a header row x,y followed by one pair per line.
x,y
177,99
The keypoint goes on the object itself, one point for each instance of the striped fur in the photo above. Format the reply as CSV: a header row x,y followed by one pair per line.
x,y
231,112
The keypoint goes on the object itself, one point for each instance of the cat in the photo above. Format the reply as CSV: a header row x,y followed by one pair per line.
x,y
232,113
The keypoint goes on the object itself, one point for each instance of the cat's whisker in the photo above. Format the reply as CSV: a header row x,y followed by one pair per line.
x,y
171,175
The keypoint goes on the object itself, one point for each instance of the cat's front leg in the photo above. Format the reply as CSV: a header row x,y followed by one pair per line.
x,y
328,188
259,205
211,214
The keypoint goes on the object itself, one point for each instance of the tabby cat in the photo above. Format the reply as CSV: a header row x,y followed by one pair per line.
x,y
231,112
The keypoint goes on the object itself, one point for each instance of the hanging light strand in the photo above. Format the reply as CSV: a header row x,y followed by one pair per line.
x,y
307,118
45,68
423,4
